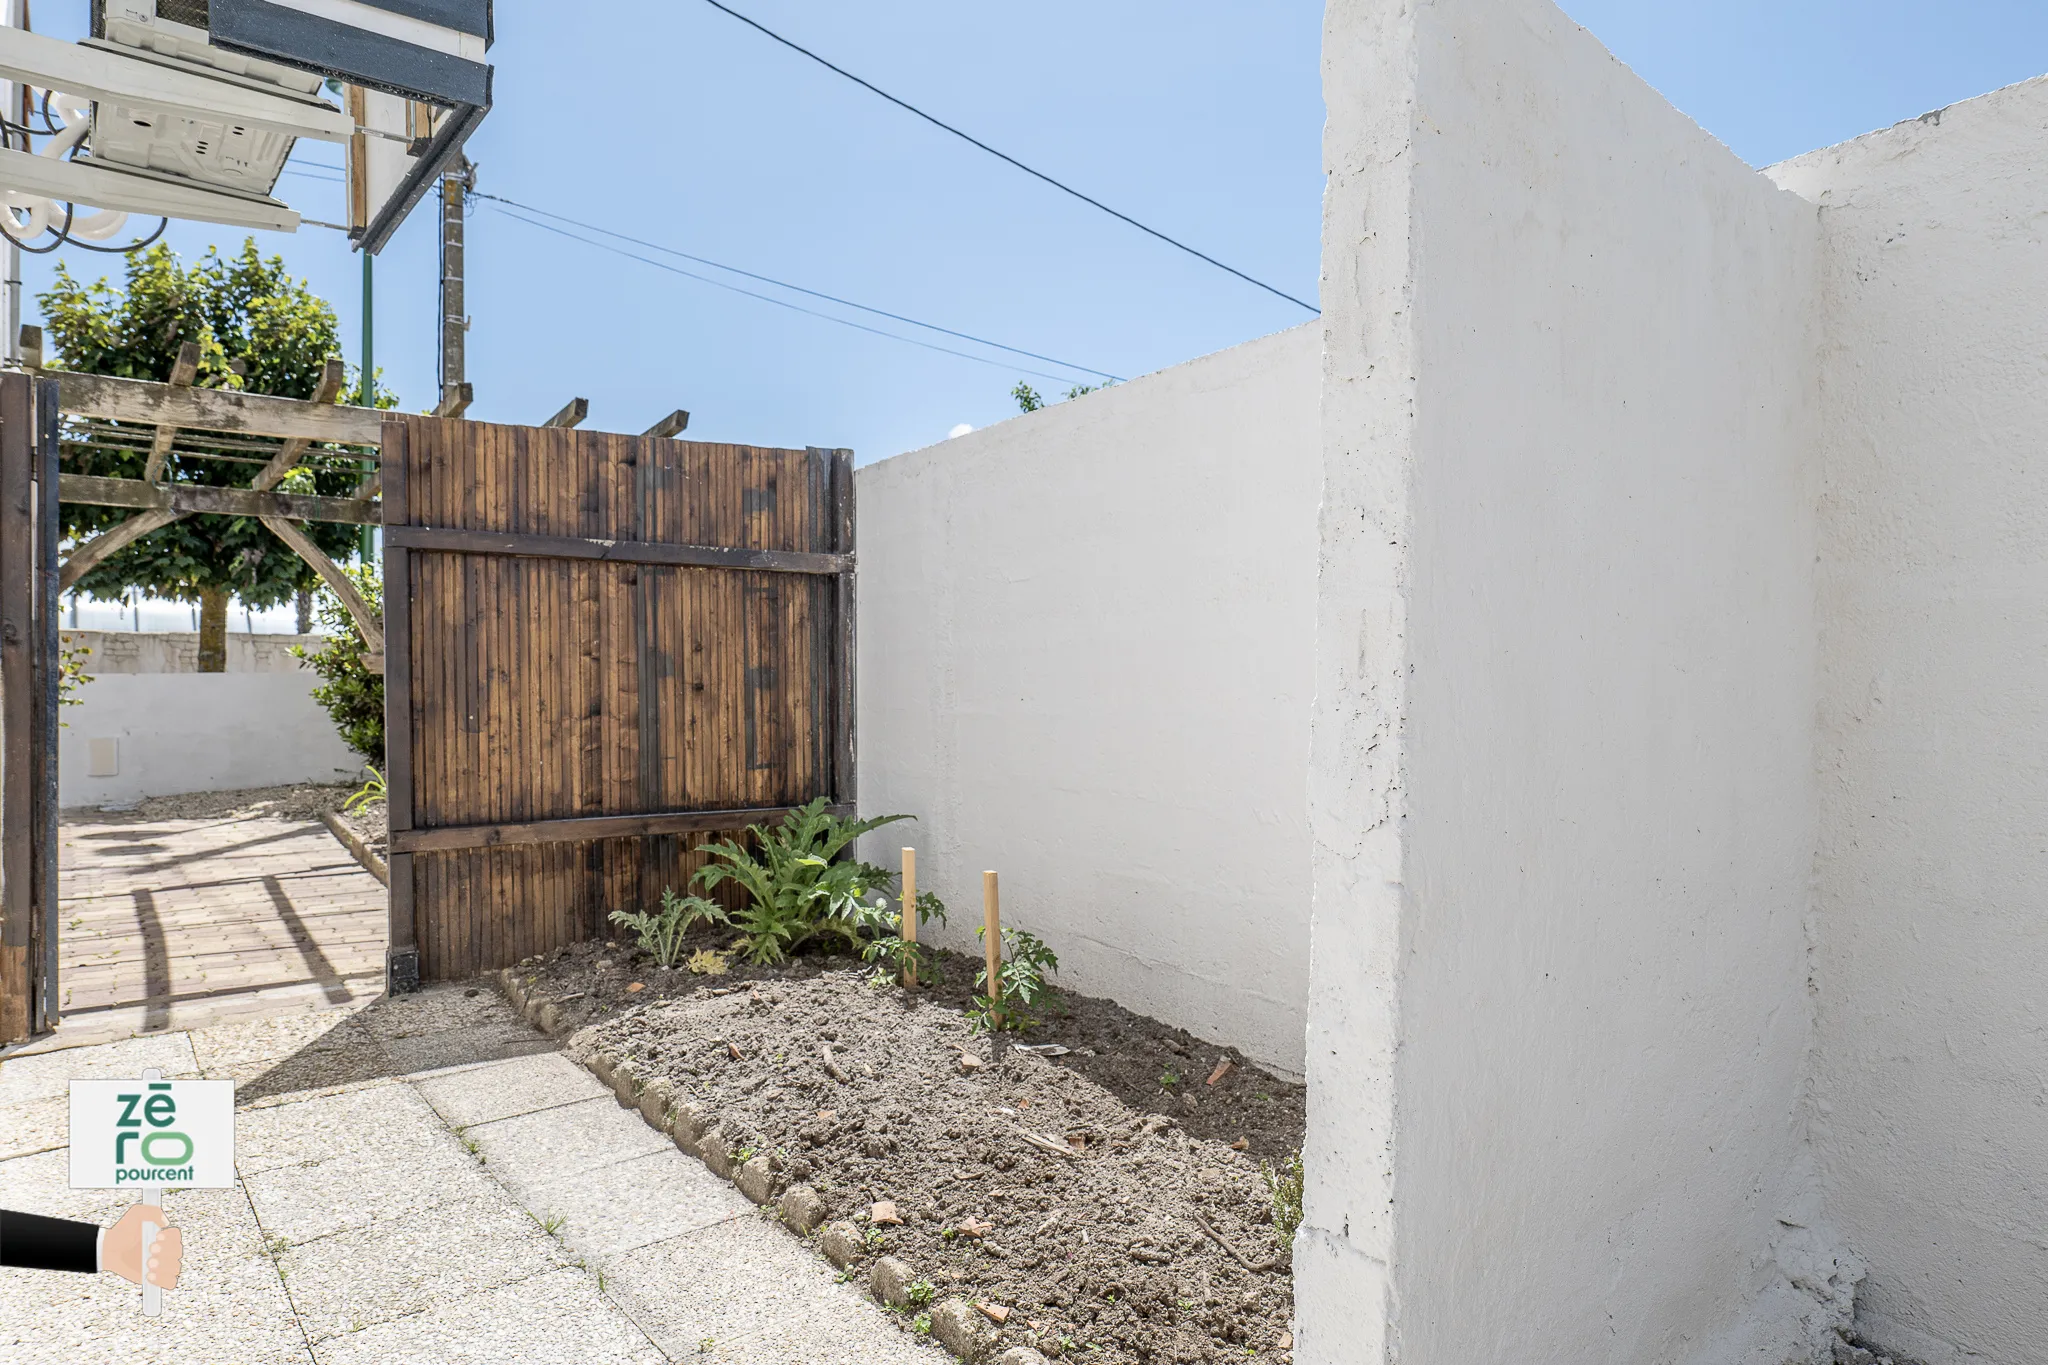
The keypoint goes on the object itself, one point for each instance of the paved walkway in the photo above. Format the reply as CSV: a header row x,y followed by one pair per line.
x,y
161,913
428,1180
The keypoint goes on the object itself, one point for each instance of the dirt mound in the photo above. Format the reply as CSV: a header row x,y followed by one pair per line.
x,y
1105,1201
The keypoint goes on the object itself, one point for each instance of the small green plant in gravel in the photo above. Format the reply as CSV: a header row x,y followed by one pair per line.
x,y
922,1324
661,933
1021,979
920,1292
1284,1184
797,887
1168,1080
369,794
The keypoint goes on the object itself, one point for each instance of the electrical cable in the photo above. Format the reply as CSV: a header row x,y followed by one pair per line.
x,y
1005,156
814,293
780,303
162,225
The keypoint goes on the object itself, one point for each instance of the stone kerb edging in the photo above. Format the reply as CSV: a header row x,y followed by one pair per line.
x,y
957,1324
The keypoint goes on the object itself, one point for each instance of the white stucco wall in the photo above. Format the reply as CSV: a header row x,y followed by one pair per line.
x,y
178,731
1562,792
1085,641
1931,956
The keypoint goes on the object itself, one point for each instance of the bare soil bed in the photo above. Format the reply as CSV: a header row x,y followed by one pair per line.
x,y
370,824
303,801
1105,1201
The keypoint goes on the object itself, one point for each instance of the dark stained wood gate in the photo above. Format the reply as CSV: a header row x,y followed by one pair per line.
x,y
602,651
29,664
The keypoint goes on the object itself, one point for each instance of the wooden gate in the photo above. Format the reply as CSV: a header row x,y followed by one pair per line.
x,y
29,664
601,651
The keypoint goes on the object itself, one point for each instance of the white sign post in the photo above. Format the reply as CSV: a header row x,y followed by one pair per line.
x,y
146,1134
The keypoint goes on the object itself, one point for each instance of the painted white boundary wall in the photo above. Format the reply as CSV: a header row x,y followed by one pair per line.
x,y
1085,649
1562,790
1931,961
176,731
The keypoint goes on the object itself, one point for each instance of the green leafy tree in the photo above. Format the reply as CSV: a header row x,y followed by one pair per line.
x,y
350,691
257,330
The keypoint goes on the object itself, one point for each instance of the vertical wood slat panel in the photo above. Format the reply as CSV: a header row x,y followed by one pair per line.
x,y
564,688
17,710
401,729
49,667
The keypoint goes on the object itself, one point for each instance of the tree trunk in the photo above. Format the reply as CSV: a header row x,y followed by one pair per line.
x,y
213,631
305,612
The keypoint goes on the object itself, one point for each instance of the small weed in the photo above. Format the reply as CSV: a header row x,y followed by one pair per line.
x,y
876,1241
661,934
922,1324
743,1156
1168,1080
369,793
920,1292
275,1246
551,1224
710,962
78,921
706,1346
949,1234
1284,1184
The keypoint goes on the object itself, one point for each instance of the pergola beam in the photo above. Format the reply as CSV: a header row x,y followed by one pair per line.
x,y
295,447
253,414
184,370
670,425
572,414
233,502
337,582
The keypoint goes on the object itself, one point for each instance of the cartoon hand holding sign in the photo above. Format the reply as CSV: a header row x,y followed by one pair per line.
x,y
147,1134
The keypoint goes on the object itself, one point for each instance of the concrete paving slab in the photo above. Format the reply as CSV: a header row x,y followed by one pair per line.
x,y
245,1049
437,1009
395,1268
442,1048
300,1203
42,1184
635,1203
531,1148
760,1297
230,1306
387,1118
34,1126
355,1060
40,1075
501,1090
557,1317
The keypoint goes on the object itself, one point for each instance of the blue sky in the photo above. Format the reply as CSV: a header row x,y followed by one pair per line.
x,y
670,121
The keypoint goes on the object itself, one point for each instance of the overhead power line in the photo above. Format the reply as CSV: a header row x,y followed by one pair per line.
x,y
1005,156
814,293
794,307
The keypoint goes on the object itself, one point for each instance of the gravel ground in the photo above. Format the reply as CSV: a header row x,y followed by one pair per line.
x,y
1106,1202
302,802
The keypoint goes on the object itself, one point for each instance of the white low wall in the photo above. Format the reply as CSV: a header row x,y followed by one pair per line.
x,y
1561,784
176,732
1931,956
1085,645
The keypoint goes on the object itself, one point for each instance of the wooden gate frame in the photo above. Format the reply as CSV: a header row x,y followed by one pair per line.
x,y
32,581
403,541
29,672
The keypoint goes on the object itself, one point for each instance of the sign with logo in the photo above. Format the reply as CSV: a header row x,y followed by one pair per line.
x,y
152,1132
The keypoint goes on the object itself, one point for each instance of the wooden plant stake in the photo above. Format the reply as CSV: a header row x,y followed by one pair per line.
x,y
910,915
992,947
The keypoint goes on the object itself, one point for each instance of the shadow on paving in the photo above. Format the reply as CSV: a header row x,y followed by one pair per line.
x,y
402,1035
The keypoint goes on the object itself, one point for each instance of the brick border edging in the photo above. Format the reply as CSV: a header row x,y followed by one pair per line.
x,y
353,842
956,1324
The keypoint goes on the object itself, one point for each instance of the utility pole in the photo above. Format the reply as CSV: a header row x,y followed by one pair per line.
x,y
456,184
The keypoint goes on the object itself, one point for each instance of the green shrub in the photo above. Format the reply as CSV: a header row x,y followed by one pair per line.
x,y
661,933
796,892
349,691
